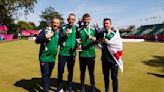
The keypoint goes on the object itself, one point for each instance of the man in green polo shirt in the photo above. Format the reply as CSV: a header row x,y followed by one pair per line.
x,y
87,55
48,40
109,65
67,52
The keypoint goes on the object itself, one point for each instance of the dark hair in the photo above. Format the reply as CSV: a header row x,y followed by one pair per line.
x,y
72,14
86,15
105,19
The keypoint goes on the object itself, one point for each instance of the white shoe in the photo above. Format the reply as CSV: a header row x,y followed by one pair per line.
x,y
61,90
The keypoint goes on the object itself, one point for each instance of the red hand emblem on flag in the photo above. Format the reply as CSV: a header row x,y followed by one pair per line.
x,y
118,54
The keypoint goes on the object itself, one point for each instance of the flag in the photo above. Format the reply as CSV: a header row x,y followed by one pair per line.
x,y
114,46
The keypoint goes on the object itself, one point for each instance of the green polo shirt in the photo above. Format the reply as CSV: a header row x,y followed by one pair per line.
x,y
50,51
68,46
105,52
88,48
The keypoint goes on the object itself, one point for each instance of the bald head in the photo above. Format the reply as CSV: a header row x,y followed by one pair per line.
x,y
71,19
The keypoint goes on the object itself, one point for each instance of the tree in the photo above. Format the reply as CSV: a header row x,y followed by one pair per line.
x,y
10,8
50,12
42,24
22,25
33,25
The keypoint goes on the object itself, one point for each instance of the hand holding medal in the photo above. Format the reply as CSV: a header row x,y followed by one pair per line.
x,y
68,31
79,44
49,33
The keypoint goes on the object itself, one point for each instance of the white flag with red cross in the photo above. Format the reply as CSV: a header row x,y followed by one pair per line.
x,y
115,48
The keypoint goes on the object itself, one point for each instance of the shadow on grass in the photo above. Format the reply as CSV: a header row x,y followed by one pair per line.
x,y
157,75
158,61
35,85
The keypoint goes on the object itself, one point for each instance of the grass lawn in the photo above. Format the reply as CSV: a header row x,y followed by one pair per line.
x,y
143,68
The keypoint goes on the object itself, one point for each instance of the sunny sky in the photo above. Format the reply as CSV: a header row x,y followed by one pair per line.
x,y
121,12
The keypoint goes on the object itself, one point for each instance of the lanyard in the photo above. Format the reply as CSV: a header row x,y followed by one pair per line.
x,y
106,34
88,33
